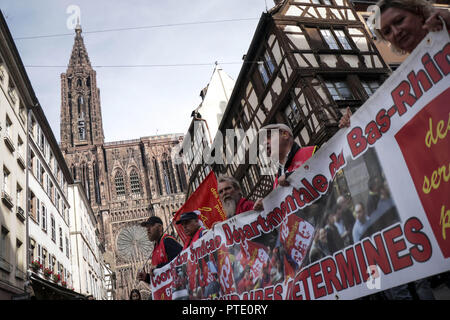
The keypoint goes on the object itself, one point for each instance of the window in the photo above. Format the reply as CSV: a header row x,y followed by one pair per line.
x,y
67,248
339,90
8,127
329,39
168,176
6,181
53,226
38,211
134,181
31,204
292,112
60,239
41,139
39,254
266,67
370,86
181,177
50,262
4,251
31,162
20,146
44,258
343,39
335,37
31,249
158,177
120,186
19,196
44,217
263,72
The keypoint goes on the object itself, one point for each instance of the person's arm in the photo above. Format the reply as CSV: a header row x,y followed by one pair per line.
x,y
434,23
173,248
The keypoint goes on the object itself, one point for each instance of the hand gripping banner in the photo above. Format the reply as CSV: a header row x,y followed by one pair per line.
x,y
369,212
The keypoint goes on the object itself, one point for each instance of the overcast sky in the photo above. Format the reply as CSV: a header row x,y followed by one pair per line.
x,y
136,102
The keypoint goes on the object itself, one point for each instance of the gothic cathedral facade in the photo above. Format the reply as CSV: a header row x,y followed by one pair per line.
x,y
125,181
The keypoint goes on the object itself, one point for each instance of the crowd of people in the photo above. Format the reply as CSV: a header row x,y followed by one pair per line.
x,y
404,24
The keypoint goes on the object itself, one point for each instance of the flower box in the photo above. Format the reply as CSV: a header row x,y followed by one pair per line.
x,y
36,265
47,272
56,277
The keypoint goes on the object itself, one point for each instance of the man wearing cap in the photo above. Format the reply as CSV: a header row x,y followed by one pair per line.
x,y
191,226
165,247
290,155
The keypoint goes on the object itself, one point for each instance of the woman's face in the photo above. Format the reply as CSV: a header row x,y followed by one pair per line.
x,y
135,296
402,28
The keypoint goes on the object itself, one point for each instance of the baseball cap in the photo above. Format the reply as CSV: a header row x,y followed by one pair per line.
x,y
187,216
279,126
151,221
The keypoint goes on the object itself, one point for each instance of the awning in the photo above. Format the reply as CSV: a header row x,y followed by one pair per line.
x,y
48,290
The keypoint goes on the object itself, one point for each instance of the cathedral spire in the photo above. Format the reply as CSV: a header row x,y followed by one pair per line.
x,y
79,56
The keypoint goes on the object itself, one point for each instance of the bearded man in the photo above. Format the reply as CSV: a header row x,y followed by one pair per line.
x,y
230,194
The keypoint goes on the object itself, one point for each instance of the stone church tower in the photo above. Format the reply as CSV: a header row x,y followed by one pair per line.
x,y
125,181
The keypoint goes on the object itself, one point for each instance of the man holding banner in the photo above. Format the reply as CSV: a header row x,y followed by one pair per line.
x,y
191,226
165,249
230,194
289,154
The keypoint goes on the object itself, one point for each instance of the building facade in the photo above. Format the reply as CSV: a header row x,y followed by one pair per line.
x,y
202,131
15,98
125,181
87,255
48,203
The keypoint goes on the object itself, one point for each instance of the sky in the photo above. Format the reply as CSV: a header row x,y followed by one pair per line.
x,y
136,101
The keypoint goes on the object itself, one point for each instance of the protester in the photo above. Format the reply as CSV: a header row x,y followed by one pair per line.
x,y
334,239
289,154
362,222
404,23
375,187
230,194
135,295
344,219
191,226
319,248
165,247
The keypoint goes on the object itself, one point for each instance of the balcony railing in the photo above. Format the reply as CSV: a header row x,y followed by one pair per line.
x,y
5,265
20,161
6,198
9,143
20,214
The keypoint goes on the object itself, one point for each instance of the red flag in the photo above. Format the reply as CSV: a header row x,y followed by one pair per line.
x,y
206,200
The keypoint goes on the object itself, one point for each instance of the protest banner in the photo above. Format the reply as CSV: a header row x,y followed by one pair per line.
x,y
369,212
204,199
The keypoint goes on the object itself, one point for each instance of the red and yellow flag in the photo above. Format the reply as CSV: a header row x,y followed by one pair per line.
x,y
206,200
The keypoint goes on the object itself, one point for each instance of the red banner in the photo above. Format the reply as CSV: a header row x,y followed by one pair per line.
x,y
206,200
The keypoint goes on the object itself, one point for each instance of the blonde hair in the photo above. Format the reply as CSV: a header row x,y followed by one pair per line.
x,y
421,8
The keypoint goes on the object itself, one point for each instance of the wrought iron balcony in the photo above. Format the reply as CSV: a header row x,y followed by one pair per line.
x,y
20,214
7,200
9,143
20,161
